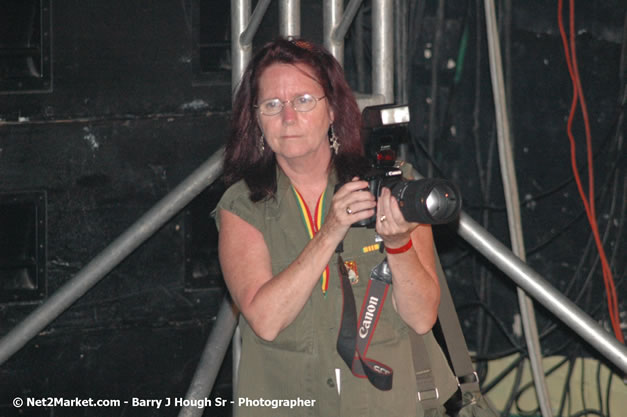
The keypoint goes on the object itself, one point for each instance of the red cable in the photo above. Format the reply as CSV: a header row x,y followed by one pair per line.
x,y
588,202
607,274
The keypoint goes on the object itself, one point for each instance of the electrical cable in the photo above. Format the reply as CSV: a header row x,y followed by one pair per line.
x,y
515,388
613,133
498,322
486,388
506,30
621,223
588,201
553,326
529,385
586,412
611,172
484,331
609,390
583,291
566,392
560,184
581,384
598,379
587,282
611,211
477,103
462,41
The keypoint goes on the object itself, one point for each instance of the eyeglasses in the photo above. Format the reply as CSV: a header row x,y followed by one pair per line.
x,y
302,104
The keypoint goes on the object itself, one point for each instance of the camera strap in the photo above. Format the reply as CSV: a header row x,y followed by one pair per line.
x,y
354,336
429,394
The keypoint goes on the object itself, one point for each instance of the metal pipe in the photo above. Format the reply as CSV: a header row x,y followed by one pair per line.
x,y
111,256
510,186
401,31
211,358
236,354
331,15
382,49
246,38
289,18
359,48
435,71
347,19
240,53
536,286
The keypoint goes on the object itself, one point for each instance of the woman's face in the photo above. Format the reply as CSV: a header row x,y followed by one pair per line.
x,y
294,135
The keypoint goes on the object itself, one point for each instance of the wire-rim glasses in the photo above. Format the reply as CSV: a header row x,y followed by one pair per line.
x,y
274,106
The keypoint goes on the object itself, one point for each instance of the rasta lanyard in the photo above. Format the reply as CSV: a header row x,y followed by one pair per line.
x,y
354,337
313,224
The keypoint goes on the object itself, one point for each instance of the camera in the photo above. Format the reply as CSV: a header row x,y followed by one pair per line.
x,y
429,200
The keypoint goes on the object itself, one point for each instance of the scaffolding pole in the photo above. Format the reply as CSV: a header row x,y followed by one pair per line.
x,y
512,202
211,359
542,291
111,256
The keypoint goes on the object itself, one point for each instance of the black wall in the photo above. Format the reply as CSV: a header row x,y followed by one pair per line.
x,y
125,122
128,116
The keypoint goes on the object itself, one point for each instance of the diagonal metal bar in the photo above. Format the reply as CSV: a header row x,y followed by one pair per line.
x,y
111,256
340,31
537,287
246,38
212,356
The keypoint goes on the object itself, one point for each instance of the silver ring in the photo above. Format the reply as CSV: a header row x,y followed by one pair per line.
x,y
382,218
348,210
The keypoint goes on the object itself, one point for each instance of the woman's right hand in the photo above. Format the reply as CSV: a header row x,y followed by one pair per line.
x,y
351,203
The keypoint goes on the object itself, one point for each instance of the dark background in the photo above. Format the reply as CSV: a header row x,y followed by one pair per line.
x,y
106,106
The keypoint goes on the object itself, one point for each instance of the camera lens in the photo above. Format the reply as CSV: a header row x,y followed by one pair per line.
x,y
431,201
442,203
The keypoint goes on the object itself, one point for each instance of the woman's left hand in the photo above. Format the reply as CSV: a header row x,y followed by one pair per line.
x,y
415,288
391,224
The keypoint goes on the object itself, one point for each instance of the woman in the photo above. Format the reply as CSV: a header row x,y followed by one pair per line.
x,y
295,135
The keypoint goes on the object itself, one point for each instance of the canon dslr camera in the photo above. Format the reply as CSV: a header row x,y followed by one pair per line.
x,y
430,200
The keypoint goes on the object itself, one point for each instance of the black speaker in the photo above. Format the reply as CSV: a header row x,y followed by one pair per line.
x,y
23,246
25,46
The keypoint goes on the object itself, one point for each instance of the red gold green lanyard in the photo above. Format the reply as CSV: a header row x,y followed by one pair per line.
x,y
313,224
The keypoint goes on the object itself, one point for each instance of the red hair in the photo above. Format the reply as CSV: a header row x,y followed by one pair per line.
x,y
244,160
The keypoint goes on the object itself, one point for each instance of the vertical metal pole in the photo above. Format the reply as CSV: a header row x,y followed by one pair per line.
x,y
513,205
289,18
401,31
331,15
382,49
360,56
240,54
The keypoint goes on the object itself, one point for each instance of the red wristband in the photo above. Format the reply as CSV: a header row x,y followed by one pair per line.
x,y
402,249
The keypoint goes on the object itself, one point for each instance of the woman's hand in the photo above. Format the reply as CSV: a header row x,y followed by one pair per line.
x,y
391,224
415,289
351,203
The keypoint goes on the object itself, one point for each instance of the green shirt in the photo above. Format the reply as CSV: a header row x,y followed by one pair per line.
x,y
301,362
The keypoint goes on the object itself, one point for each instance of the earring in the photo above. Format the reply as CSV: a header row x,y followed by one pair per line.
x,y
261,145
334,141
